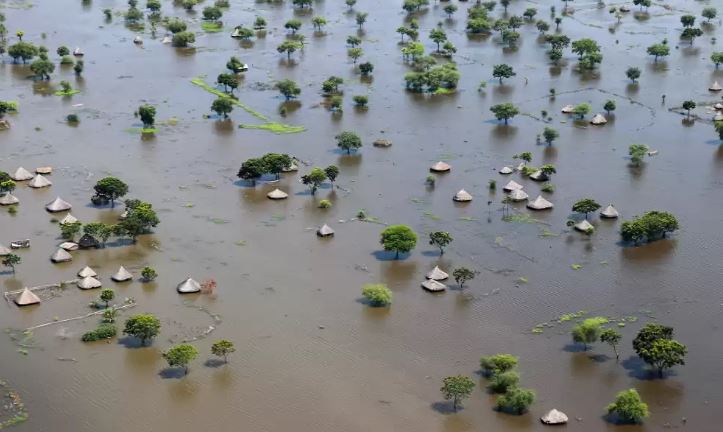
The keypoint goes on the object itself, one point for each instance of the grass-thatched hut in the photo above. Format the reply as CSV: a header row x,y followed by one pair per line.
x,y
506,170
540,203
122,275
609,212
518,195
44,170
715,87
89,282
87,271
437,274
440,167
8,199
325,231
188,286
26,298
58,205
432,285
598,119
21,174
39,182
61,255
584,226
554,417
568,109
88,241
4,250
69,246
68,219
462,196
277,194
539,176
511,185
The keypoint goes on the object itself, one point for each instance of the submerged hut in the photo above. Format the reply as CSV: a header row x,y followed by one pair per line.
x,y
277,194
382,143
68,219
39,182
554,417
4,250
440,167
8,199
88,241
138,40
432,285
45,170
58,205
512,185
60,256
518,195
539,203
21,174
325,231
89,282
78,52
521,166
715,87
291,168
26,298
236,33
609,212
598,119
568,109
506,170
69,246
166,40
584,226
188,286
539,176
437,274
87,271
122,275
462,196
718,106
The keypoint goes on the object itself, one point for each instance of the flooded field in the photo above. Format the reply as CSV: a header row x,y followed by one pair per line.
x,y
310,355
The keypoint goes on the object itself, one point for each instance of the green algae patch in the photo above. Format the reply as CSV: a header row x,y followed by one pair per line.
x,y
142,130
277,128
212,27
444,91
70,92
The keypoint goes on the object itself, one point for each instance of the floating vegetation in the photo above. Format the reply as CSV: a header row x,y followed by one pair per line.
x,y
576,266
444,91
70,92
212,27
522,279
570,316
467,219
240,243
277,128
142,130
218,221
430,215
12,409
546,233
520,218
23,339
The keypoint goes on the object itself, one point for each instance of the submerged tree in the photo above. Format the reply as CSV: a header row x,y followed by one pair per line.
x,y
222,106
143,327
462,274
628,407
549,134
348,141
377,294
440,239
180,356
11,260
585,205
288,88
654,344
398,239
457,388
504,111
147,114
314,179
611,337
588,331
501,71
222,348
109,189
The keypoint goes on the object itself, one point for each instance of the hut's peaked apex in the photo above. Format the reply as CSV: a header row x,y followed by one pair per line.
x,y
609,212
122,275
39,182
89,282
506,170
87,271
8,199
58,205
27,298
325,231
568,109
188,286
437,274
61,255
462,196
512,185
540,203
440,167
277,194
21,174
518,195
715,86
68,219
69,246
584,226
598,119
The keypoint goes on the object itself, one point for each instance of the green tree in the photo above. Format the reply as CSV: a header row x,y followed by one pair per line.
x,y
78,67
148,274
582,110
497,364
457,388
709,13
176,25
450,9
110,189
222,348
288,88
289,47
361,18
690,33
183,39
588,331
318,22
504,111
259,23
719,128
377,294
143,327
222,106
687,20
548,169
147,113
11,260
276,163
651,226
353,41
542,26
529,14
628,407
332,172
42,67
133,15
106,296
180,356
525,156
7,186
516,400
234,64
68,231
637,152
717,58
140,219
189,4
252,169
398,238
293,24
62,51
244,33
355,53
503,71
153,5
361,100
437,35
348,141
689,105
654,344
350,3
501,383
314,179
585,205
550,135
611,337
440,239
302,3
609,106
462,274
658,50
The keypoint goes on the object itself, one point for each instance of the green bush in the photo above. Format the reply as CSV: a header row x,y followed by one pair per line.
x,y
377,294
503,382
148,274
72,118
104,331
498,363
324,204
516,400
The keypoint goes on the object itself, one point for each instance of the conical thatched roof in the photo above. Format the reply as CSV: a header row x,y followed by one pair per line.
x,y
8,199
166,40
39,182
624,8
87,271
518,195
277,194
512,185
715,87
89,282
291,168
521,166
61,255
382,143
462,196
58,205
433,286
26,298
44,170
21,174
325,231
539,176
122,275
568,109
69,246
506,170
4,251
68,219
609,212
138,40
540,203
440,167
236,33
88,241
598,119
584,226
437,274
718,106
554,417
188,286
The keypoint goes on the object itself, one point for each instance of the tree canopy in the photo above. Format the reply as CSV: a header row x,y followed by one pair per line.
x,y
399,239
143,327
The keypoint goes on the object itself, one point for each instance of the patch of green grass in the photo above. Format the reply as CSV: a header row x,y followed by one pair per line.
x,y
66,93
576,266
467,218
571,316
277,128
430,215
522,279
444,91
212,27
141,130
547,233
520,218
218,221
240,243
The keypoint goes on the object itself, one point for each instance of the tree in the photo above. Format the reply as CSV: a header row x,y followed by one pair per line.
x,y
558,41
582,110
505,4
503,71
687,20
176,25
78,67
510,37
227,81
457,388
288,88
318,22
585,46
588,331
259,23
183,39
7,185
348,141
550,135
548,169
252,169
143,327
654,344
504,111
110,189
180,356
628,407
332,172
637,152
717,58
288,47
107,295
497,364
42,67
437,35
350,3
302,3
690,33
62,51
293,24
212,13
353,41
709,13
148,274
516,400
377,294
611,337
719,128
11,260
68,231
440,239
651,226
133,15
355,53
542,26
689,105
140,219
222,348
222,106
276,163
585,205
147,113
450,9
398,238
462,275
234,64
643,3
609,106
361,18
244,33
314,179
153,5
658,50
503,382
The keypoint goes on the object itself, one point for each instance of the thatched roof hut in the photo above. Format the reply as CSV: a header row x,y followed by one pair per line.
x,y
382,143
325,231
598,119
609,212
122,275
462,196
539,176
45,170
624,8
277,194
715,87
512,185
506,170
518,195
68,219
166,40
61,255
89,282
436,274
539,203
88,241
4,250
188,286
568,109
58,205
138,40
21,174
291,168
87,271
584,226
39,182
8,199
69,246
554,417
440,167
26,298
718,106
432,285
521,166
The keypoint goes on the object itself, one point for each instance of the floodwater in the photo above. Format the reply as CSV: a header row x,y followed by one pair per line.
x,y
310,356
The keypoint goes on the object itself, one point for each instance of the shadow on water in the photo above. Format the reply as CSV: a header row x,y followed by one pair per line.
x,y
650,252
131,342
172,373
214,363
638,369
445,407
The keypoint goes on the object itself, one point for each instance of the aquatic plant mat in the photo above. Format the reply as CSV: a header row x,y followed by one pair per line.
x,y
268,125
12,410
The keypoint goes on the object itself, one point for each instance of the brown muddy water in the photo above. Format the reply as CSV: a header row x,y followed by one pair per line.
x,y
310,356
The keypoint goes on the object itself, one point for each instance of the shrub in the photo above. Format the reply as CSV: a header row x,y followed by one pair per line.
x,y
516,400
628,407
361,100
503,382
498,363
104,331
324,204
148,274
72,118
377,294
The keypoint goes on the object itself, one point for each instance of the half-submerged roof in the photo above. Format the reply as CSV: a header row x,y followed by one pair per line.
x,y
440,167
26,298
58,205
518,195
432,285
598,119
188,286
325,231
8,199
584,226
715,86
277,194
39,182
44,170
539,203
512,185
88,241
436,274
539,175
122,275
68,219
21,174
87,271
61,255
609,212
568,109
506,170
382,143
89,282
554,417
462,196
69,246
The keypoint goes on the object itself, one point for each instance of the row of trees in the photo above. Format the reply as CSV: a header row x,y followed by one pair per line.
x,y
650,226
139,219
